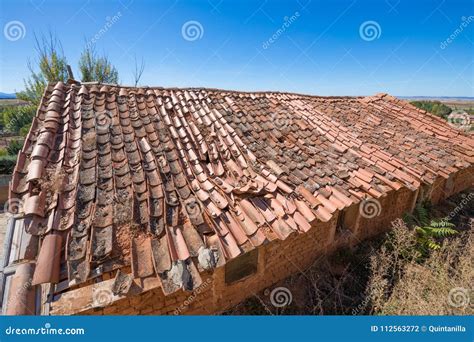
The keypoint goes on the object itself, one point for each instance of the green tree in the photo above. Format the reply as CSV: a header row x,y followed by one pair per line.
x,y
96,68
17,120
15,146
7,164
52,65
434,107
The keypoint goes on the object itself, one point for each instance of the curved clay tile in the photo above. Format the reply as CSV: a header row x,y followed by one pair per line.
x,y
21,300
169,181
123,92
48,262
83,90
94,89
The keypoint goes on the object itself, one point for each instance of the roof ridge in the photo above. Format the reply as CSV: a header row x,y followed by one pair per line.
x,y
96,83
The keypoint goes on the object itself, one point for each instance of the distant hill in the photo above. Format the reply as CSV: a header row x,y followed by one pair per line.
x,y
7,96
438,98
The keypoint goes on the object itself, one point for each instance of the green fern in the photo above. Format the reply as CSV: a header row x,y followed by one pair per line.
x,y
421,213
429,235
433,245
409,219
419,216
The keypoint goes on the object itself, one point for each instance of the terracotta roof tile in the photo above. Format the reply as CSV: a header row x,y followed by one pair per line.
x,y
22,300
170,181
48,262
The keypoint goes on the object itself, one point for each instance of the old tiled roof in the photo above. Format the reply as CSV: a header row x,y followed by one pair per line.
x,y
176,181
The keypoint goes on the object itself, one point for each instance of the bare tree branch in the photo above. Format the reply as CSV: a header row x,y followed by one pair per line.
x,y
138,71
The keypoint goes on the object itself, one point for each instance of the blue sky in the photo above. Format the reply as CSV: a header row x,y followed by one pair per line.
x,y
318,47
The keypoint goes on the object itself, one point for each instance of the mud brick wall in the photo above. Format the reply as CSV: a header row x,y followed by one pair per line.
x,y
440,188
443,188
461,181
276,261
393,206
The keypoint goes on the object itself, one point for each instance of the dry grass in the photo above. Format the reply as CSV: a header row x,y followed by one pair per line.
x,y
400,285
334,285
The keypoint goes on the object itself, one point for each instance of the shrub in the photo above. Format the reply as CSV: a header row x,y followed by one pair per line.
x,y
402,285
17,119
434,107
96,68
14,147
7,164
50,65
24,130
